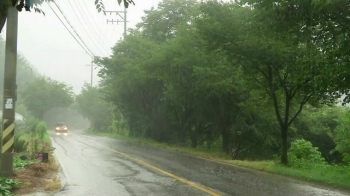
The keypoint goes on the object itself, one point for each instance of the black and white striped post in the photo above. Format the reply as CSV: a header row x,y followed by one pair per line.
x,y
8,115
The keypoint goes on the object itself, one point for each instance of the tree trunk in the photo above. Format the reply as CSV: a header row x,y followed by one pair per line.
x,y
194,140
132,131
182,136
225,141
3,10
284,135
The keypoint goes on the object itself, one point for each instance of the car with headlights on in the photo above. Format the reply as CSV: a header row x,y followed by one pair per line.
x,y
61,128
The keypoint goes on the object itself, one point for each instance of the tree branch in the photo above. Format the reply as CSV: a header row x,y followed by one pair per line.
x,y
298,87
302,103
273,96
260,83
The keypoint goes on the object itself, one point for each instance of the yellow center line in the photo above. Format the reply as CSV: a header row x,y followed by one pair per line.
x,y
197,186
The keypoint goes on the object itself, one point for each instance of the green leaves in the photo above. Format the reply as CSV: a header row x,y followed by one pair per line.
x,y
276,49
100,6
20,145
161,23
44,94
6,185
26,73
303,155
91,106
169,87
214,71
342,137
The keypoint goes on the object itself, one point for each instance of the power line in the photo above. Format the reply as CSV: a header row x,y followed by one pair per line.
x,y
73,28
90,54
93,19
75,13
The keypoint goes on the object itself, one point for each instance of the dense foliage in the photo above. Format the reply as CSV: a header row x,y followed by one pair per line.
x,y
44,94
255,78
252,76
7,185
26,73
92,107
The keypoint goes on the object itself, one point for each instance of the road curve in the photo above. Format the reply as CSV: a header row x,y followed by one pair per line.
x,y
94,165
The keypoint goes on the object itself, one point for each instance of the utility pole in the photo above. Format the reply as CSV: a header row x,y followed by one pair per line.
x,y
10,93
117,21
125,21
92,71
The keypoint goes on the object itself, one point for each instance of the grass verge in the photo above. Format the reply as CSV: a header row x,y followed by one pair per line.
x,y
54,184
335,176
213,153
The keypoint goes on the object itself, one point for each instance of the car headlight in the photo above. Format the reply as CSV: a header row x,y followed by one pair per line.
x,y
65,128
56,128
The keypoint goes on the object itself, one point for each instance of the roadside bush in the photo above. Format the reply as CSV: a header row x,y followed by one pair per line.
x,y
41,129
21,160
6,185
346,158
303,155
20,145
20,128
35,128
31,126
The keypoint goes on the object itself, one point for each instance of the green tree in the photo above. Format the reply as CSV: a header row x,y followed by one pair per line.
x,y
91,106
26,73
161,23
323,24
136,93
284,65
152,90
169,87
43,94
192,75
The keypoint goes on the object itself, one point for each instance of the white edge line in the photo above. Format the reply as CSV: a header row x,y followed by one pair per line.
x,y
64,171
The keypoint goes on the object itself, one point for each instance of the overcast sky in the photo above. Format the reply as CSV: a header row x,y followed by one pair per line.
x,y
49,47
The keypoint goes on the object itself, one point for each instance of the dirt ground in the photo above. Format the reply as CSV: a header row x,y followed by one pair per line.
x,y
38,177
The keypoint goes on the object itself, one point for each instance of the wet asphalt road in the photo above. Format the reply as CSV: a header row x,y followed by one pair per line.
x,y
93,165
